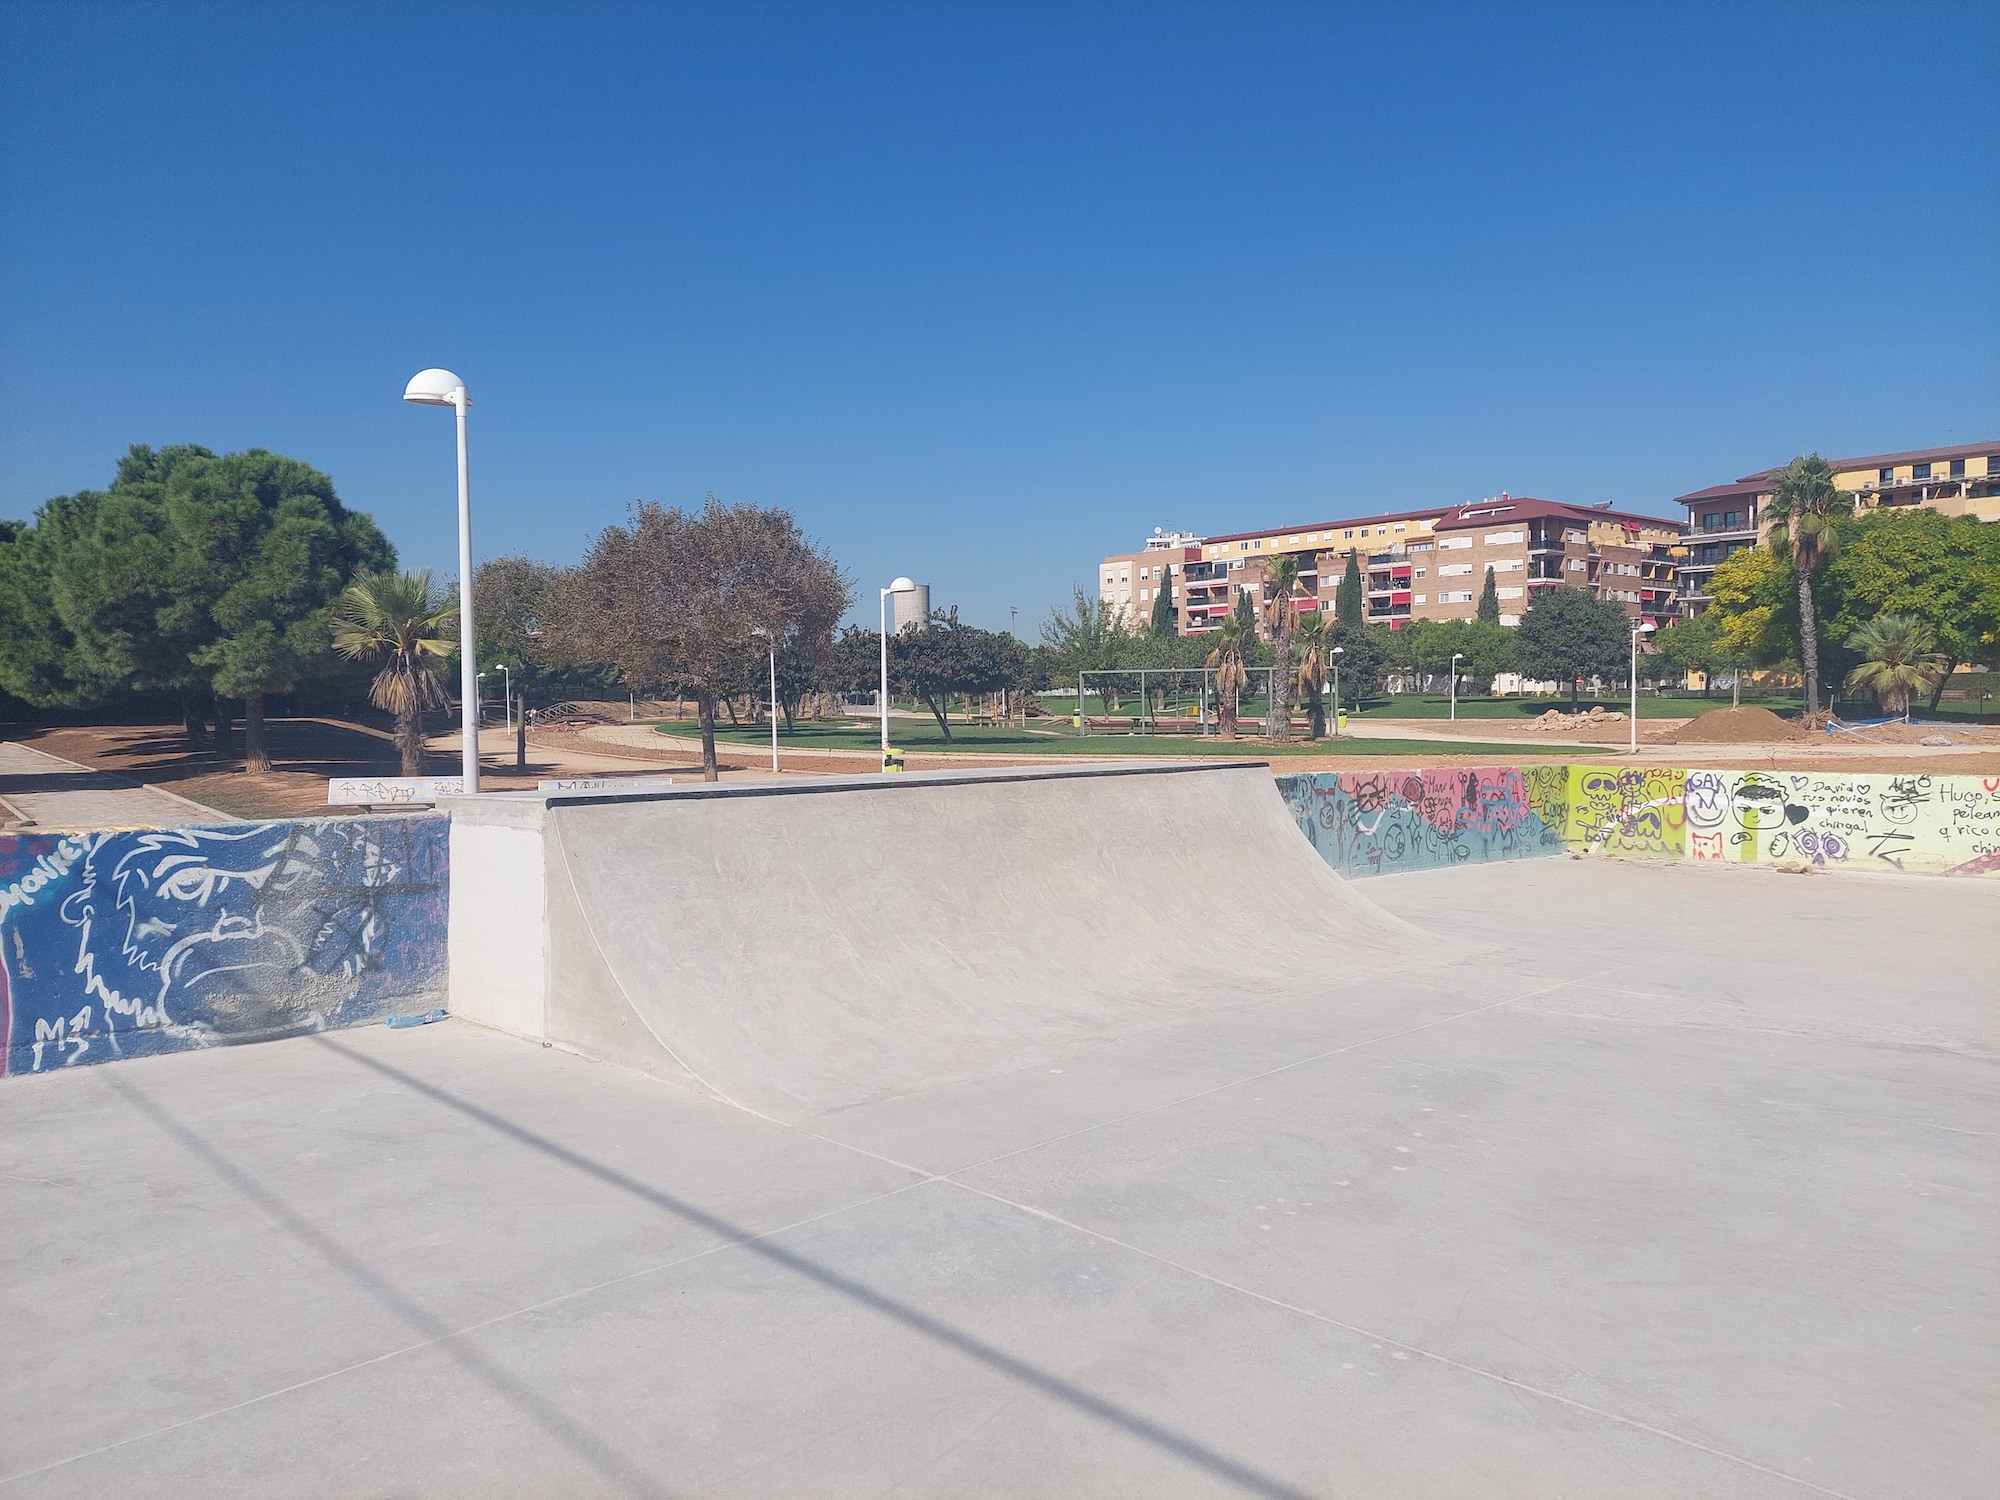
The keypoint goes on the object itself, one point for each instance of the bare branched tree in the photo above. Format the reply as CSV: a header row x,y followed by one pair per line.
x,y
674,599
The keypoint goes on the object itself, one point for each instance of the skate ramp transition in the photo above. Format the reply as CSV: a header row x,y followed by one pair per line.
x,y
798,946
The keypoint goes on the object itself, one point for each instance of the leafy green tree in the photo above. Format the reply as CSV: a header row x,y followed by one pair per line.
x,y
1755,598
945,656
191,574
675,599
1694,645
1363,650
1165,620
1091,637
1348,606
1898,661
408,631
1489,602
1569,634
1807,508
1920,563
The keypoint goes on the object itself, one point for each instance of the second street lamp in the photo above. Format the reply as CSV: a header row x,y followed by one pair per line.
x,y
900,586
442,388
771,641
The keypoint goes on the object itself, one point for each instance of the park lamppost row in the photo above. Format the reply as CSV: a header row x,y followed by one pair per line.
x,y
442,388
1454,684
900,586
771,641
1338,652
507,694
1644,627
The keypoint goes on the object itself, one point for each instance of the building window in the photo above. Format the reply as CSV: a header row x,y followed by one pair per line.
x,y
1958,468
1886,476
1921,471
1399,528
1420,572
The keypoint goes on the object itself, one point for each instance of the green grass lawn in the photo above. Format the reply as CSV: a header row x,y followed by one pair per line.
x,y
1055,737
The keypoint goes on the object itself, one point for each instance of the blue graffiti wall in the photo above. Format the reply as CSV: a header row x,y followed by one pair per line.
x,y
1376,822
130,943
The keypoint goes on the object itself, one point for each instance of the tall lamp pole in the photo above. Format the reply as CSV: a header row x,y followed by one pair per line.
x,y
1454,683
442,388
1338,652
772,641
900,586
1644,627
507,692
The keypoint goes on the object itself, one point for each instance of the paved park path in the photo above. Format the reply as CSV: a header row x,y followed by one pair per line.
x,y
49,792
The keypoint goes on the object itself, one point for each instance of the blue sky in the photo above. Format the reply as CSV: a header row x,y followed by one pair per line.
x,y
984,292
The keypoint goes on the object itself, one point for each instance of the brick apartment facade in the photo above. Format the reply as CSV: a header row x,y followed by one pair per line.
x,y
1417,565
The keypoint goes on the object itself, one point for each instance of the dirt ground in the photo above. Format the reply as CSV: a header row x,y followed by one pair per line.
x,y
306,752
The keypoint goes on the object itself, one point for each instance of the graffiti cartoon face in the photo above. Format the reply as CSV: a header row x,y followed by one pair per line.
x,y
1707,799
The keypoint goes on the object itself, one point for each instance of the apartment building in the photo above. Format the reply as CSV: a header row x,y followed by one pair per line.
x,y
1725,518
1130,581
1529,545
1417,565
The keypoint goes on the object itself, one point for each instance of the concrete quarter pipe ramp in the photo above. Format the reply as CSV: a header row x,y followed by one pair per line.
x,y
799,947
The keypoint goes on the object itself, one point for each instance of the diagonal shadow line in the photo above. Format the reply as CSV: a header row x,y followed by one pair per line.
x,y
1232,1471
610,1464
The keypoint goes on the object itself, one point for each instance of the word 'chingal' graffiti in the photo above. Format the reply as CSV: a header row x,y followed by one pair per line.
x,y
123,944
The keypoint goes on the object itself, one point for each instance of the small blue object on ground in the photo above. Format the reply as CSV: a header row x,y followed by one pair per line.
x,y
424,1020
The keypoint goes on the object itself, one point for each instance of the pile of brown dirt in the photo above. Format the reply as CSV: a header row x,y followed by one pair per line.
x,y
1732,726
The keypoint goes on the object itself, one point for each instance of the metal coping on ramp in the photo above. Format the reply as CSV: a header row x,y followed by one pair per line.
x,y
779,786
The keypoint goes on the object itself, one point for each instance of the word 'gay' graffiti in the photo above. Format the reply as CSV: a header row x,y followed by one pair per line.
x,y
130,943
1370,822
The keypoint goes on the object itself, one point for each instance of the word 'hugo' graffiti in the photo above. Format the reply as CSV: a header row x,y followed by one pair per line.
x,y
117,943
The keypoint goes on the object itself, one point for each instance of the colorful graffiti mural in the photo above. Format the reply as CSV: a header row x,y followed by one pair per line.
x,y
129,943
1372,822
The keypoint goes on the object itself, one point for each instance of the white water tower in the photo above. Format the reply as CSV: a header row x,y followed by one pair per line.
x,y
912,607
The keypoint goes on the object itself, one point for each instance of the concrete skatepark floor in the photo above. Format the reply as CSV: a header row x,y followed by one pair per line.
x,y
1678,1181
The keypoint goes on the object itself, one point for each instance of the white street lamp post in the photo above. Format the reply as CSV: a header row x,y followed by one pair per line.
x,y
772,641
442,388
900,586
507,691
1338,652
1644,627
1454,683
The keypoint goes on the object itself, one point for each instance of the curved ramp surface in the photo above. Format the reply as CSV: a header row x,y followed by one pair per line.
x,y
798,947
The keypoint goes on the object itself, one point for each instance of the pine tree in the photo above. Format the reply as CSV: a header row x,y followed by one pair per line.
x,y
1164,621
1489,602
1347,602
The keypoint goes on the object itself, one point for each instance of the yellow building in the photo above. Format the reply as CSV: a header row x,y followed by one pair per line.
x,y
1726,518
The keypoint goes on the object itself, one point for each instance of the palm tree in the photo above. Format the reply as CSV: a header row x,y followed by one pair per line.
x,y
1230,677
1284,581
1897,661
1806,505
1313,660
396,619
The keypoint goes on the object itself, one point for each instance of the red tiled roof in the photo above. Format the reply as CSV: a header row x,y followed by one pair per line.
x,y
1271,531
1523,508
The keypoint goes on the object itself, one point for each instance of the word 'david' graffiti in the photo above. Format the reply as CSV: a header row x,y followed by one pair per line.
x,y
125,944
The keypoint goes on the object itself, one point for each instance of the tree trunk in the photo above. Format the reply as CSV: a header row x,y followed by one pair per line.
x,y
255,756
1572,695
938,713
194,729
1808,641
1278,713
704,703
728,707
785,704
1937,692
410,742
1315,715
